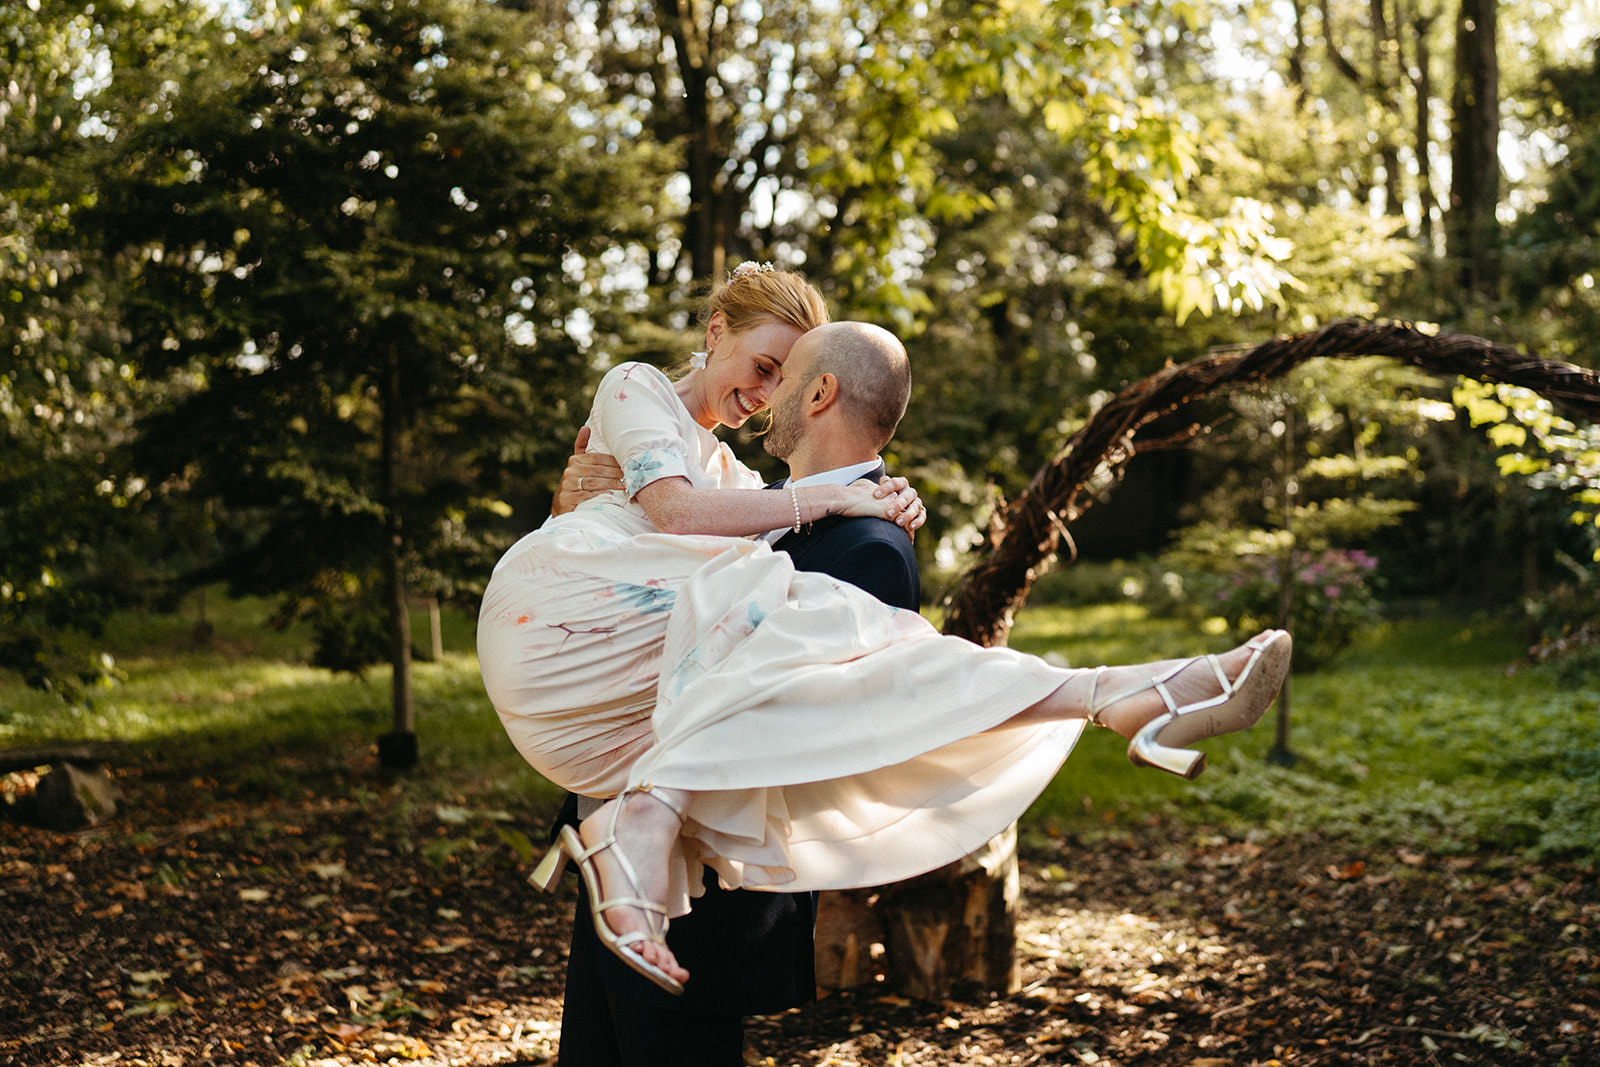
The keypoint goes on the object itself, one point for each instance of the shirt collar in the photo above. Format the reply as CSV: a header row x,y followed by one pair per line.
x,y
837,476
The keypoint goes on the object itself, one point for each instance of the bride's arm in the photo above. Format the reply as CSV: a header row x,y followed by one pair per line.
x,y
675,506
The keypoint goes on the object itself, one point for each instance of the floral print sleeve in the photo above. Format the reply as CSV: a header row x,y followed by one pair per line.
x,y
639,417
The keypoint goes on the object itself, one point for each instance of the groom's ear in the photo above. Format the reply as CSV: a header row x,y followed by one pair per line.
x,y
822,394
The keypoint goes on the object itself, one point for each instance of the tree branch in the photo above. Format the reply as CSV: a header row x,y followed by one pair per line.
x,y
1023,536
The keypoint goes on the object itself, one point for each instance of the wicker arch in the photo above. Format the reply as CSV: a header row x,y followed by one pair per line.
x,y
1023,536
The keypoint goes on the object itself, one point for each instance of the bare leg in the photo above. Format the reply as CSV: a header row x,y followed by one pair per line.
x,y
646,828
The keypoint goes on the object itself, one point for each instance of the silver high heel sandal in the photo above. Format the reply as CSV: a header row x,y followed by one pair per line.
x,y
1162,741
570,846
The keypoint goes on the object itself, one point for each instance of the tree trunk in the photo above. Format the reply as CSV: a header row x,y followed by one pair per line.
x,y
1472,232
1297,53
398,749
1422,90
1386,74
691,38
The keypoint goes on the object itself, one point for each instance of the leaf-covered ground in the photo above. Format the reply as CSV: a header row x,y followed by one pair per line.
x,y
345,925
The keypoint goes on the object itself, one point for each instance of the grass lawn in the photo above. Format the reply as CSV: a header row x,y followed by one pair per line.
x,y
1419,735
246,707
1422,734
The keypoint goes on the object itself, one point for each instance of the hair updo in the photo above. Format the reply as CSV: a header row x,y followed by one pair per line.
x,y
756,294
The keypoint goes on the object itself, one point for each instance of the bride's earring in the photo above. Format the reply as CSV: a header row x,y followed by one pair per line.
x,y
697,360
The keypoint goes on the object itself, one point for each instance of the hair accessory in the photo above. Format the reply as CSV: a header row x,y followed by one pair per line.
x,y
697,360
749,267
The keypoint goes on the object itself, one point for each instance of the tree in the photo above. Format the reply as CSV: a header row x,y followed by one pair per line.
x,y
64,383
1472,226
365,235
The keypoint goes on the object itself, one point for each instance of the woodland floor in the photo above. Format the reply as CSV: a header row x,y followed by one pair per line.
x,y
349,927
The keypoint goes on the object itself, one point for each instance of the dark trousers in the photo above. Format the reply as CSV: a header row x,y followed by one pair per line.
x,y
602,1029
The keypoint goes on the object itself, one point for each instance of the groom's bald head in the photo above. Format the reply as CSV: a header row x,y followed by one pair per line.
x,y
870,367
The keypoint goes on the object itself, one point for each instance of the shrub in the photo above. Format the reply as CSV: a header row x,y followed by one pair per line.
x,y
1566,620
1333,593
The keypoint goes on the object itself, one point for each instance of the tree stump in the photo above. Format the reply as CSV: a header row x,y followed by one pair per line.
x,y
850,938
76,791
953,929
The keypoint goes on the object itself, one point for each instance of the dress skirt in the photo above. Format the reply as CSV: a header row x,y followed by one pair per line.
x,y
830,741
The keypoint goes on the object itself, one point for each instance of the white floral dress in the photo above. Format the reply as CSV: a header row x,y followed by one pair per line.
x,y
830,741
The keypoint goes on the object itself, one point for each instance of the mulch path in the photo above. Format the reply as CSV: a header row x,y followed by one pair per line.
x,y
347,925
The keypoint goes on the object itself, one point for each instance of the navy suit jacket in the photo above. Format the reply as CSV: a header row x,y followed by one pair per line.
x,y
751,953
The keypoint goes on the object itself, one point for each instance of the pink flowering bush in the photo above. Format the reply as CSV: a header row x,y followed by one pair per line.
x,y
1334,599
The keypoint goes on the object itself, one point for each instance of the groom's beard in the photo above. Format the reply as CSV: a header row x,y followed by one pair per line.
x,y
783,433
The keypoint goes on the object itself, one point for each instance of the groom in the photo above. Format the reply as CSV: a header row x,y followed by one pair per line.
x,y
845,387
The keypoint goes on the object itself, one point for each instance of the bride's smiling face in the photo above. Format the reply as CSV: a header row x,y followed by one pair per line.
x,y
741,372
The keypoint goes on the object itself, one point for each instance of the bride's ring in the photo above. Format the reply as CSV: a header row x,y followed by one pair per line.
x,y
582,487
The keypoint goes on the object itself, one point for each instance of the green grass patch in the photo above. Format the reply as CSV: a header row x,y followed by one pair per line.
x,y
1420,736
1416,737
244,706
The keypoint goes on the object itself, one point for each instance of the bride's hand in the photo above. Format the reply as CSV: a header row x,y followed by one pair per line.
x,y
889,499
907,508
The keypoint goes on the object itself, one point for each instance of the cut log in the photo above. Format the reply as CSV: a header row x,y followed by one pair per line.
x,y
850,938
954,930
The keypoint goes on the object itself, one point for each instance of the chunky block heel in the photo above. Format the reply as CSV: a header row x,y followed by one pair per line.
x,y
545,875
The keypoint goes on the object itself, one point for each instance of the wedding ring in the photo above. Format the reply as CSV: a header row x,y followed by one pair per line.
x,y
582,487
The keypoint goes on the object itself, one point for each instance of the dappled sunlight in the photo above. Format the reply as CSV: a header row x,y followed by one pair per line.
x,y
360,923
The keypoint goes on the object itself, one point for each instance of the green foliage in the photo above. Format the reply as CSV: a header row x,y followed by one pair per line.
x,y
349,625
65,388
358,239
1552,250
1557,459
1314,476
1066,68
1551,453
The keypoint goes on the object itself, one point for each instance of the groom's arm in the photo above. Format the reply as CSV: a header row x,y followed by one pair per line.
x,y
587,475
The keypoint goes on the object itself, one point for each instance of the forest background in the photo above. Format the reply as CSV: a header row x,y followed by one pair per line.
x,y
307,298
302,304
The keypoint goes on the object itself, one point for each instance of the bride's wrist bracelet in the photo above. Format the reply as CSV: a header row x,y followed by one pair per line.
x,y
794,498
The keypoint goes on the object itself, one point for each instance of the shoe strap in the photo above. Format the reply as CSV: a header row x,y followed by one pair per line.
x,y
1093,718
659,796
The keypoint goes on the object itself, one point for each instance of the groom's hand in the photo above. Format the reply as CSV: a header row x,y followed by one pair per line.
x,y
588,474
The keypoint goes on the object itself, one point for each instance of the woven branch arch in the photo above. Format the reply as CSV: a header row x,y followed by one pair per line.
x,y
1024,535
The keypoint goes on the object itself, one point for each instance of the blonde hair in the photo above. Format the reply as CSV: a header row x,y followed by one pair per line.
x,y
755,295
